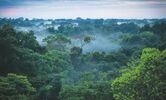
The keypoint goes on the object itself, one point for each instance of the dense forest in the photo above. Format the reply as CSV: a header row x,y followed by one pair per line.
x,y
82,59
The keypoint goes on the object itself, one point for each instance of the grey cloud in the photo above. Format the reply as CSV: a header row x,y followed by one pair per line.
x,y
13,3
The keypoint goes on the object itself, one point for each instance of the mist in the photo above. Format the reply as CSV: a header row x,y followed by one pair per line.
x,y
101,43
40,32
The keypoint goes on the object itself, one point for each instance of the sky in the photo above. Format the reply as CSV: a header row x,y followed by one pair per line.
x,y
55,9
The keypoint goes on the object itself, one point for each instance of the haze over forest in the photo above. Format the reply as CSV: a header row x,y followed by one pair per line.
x,y
82,49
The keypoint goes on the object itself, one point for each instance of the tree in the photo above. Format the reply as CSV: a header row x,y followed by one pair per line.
x,y
87,91
8,44
28,40
87,39
15,87
57,41
76,51
91,85
144,81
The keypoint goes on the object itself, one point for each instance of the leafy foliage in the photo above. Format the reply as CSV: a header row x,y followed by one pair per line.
x,y
15,87
58,70
144,81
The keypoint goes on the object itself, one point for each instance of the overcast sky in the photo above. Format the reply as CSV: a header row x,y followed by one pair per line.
x,y
83,8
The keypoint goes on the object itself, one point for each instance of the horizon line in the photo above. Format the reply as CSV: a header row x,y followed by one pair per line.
x,y
79,17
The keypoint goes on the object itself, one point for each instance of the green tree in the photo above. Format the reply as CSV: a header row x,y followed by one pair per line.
x,y
87,91
87,39
15,87
28,40
144,81
57,41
